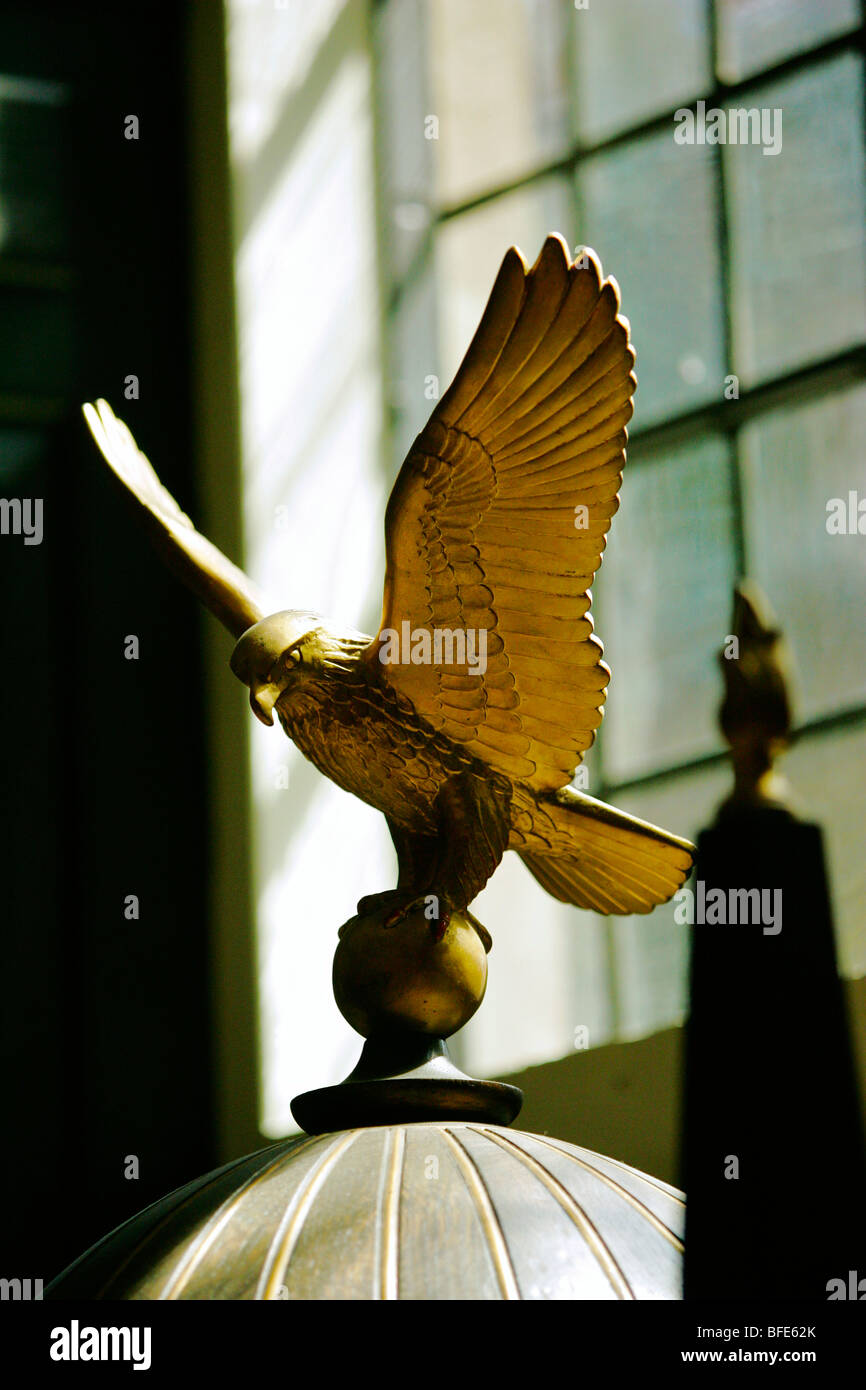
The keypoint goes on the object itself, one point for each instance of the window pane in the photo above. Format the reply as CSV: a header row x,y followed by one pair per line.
x,y
652,952
826,776
634,60
664,600
33,116
650,211
794,462
760,33
797,236
500,92
469,251
826,772
548,976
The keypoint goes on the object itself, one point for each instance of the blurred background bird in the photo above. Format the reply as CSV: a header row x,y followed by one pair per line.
x,y
467,733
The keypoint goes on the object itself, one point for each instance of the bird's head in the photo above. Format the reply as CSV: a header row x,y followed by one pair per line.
x,y
275,653
287,650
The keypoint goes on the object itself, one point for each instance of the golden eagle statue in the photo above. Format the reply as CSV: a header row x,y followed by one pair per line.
x,y
464,720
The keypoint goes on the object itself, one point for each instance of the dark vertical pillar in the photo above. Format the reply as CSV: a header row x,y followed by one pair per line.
x,y
774,1165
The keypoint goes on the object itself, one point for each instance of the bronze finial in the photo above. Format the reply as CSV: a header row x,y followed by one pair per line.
x,y
465,718
755,715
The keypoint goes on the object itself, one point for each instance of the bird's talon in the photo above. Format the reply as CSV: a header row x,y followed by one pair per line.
x,y
438,923
439,926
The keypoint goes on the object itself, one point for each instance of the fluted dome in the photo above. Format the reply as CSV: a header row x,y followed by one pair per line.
x,y
446,1210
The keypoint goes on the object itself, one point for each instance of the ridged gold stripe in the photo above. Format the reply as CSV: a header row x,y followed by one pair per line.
x,y
194,1253
487,1216
659,1186
626,1167
153,1231
290,1227
645,1211
389,1222
572,1209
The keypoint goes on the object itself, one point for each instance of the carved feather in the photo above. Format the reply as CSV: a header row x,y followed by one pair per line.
x,y
499,517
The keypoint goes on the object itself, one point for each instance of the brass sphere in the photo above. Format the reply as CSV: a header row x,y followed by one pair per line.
x,y
403,977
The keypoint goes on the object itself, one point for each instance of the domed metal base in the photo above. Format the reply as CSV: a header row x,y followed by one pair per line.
x,y
405,1078
420,1211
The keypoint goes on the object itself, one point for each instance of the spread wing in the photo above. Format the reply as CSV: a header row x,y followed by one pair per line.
x,y
498,519
221,586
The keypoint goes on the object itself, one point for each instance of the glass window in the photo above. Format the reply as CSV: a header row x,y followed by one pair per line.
x,y
536,941
633,60
744,277
825,771
650,953
796,462
755,34
649,208
469,251
499,92
664,598
798,243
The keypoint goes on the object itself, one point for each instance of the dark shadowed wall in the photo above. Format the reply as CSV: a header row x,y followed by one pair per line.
x,y
104,792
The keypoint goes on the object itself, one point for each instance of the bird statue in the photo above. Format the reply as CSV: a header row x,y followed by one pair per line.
x,y
465,718
756,715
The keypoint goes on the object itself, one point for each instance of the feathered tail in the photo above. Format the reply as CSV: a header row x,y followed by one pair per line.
x,y
604,860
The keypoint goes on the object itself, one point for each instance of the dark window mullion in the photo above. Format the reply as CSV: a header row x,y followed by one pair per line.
x,y
815,379
724,240
849,717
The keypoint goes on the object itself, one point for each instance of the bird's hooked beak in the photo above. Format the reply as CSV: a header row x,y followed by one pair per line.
x,y
265,659
263,697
